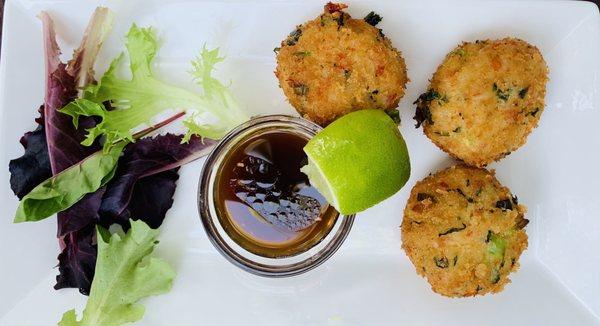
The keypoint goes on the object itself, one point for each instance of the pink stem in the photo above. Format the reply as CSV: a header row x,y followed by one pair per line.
x,y
157,126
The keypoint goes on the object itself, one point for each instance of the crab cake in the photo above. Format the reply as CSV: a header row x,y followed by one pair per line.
x,y
464,231
484,99
334,65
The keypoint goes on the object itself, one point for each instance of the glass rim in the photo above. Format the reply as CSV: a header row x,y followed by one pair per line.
x,y
269,267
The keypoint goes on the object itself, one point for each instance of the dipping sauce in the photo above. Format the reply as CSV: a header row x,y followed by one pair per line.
x,y
266,205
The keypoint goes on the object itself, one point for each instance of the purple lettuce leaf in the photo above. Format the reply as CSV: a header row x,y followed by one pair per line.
x,y
63,139
81,66
76,226
151,198
142,179
33,167
55,144
63,82
77,261
142,188
81,214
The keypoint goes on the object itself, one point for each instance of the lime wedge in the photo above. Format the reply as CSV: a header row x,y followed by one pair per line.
x,y
358,161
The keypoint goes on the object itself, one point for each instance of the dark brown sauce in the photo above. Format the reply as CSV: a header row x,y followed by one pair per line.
x,y
265,203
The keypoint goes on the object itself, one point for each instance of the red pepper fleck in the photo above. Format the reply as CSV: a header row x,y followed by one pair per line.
x,y
335,7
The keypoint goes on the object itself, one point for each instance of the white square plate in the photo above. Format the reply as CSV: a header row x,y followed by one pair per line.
x,y
370,280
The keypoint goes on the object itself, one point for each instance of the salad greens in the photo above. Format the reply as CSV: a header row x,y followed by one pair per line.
x,y
54,145
141,188
125,273
63,190
145,176
138,100
87,161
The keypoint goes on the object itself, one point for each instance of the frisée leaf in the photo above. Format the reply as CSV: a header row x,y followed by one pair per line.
x,y
220,100
125,273
138,100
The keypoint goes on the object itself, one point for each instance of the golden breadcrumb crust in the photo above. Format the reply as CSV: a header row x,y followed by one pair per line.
x,y
464,231
484,99
334,65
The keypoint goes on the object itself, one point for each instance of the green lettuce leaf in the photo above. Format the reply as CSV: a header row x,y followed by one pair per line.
x,y
63,190
125,273
139,99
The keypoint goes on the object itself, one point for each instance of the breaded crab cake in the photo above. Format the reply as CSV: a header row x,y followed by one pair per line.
x,y
484,99
335,64
464,231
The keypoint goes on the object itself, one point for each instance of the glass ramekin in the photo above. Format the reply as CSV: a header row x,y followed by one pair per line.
x,y
244,259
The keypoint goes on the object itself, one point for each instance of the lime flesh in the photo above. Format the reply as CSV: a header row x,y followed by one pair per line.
x,y
358,161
